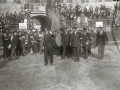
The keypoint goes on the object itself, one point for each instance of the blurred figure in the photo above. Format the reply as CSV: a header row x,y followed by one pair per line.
x,y
101,40
23,43
48,47
86,38
41,41
64,41
75,43
13,45
5,41
19,47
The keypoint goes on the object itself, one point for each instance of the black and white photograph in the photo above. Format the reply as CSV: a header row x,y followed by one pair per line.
x,y
59,45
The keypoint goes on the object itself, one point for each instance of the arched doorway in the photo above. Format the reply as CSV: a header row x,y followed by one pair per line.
x,y
44,21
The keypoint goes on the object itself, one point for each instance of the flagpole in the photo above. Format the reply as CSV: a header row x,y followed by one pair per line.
x,y
51,15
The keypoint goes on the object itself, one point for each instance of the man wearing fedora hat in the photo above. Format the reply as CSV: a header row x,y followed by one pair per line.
x,y
13,45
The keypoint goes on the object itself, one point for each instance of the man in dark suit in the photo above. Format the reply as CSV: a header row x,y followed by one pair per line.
x,y
19,47
5,45
101,40
48,47
75,43
65,42
13,45
86,39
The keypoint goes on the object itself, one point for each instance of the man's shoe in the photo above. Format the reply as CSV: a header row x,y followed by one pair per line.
x,y
78,59
62,58
4,58
9,59
45,64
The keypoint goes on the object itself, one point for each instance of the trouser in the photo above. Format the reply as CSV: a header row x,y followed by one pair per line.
x,y
63,51
13,53
41,46
48,52
76,52
35,48
85,52
89,48
23,49
18,50
68,50
5,52
101,49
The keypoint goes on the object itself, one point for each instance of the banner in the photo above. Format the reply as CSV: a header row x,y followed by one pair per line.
x,y
55,22
22,25
99,24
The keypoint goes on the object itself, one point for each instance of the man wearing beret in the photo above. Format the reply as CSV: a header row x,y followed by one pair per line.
x,y
101,40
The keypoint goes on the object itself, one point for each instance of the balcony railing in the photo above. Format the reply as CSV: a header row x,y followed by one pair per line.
x,y
89,23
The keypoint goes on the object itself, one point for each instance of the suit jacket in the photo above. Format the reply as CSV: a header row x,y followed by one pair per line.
x,y
48,41
5,41
18,40
13,42
101,38
86,38
75,39
65,39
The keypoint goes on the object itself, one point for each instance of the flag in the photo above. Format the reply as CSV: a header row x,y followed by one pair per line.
x,y
49,14
55,22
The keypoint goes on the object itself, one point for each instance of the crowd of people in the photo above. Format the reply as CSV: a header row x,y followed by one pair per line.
x,y
10,19
63,42
87,13
14,1
34,6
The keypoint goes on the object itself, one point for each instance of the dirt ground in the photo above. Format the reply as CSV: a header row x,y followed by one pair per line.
x,y
29,73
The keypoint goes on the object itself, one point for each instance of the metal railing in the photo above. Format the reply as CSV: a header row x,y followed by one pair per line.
x,y
88,23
